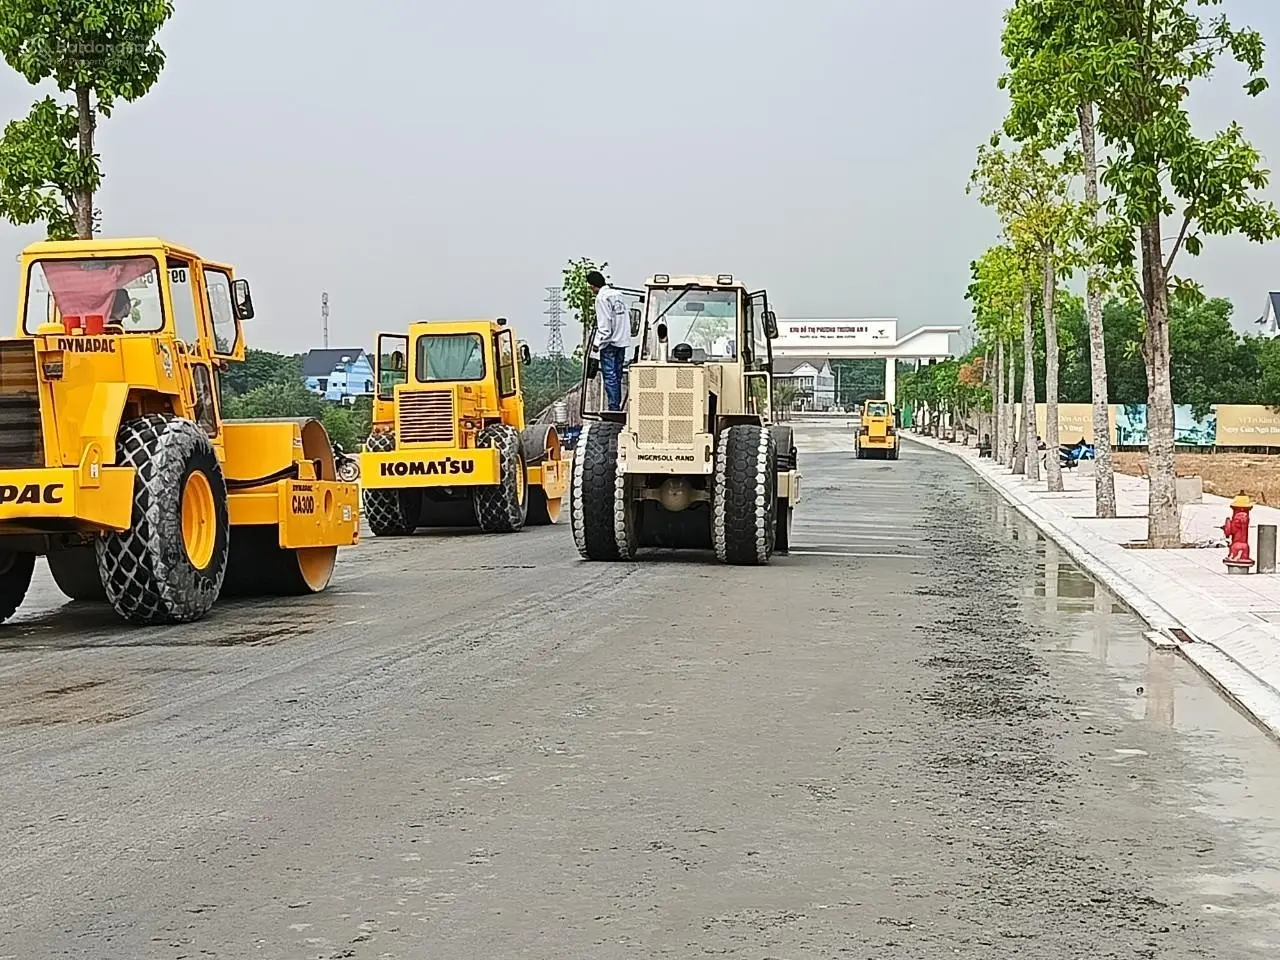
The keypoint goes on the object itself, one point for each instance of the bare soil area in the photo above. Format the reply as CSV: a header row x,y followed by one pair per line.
x,y
1224,474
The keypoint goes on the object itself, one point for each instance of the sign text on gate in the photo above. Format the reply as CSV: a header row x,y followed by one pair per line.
x,y
847,332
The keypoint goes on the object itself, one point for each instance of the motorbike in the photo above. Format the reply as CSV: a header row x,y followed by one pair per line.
x,y
348,467
1070,455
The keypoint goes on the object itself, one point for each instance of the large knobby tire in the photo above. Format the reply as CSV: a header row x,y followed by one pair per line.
x,y
744,497
787,458
540,443
168,567
15,580
600,509
390,513
75,571
502,507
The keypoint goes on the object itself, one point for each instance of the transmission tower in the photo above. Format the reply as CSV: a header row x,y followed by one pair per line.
x,y
555,338
324,317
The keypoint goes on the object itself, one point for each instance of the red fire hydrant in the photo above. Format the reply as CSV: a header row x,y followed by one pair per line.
x,y
1236,530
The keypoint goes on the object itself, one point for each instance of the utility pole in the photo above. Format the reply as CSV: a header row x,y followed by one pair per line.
x,y
324,317
555,326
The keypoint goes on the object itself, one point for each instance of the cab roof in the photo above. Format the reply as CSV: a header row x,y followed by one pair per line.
x,y
104,245
458,326
694,280
113,246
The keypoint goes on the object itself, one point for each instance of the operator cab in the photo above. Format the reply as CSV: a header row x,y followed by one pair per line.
x,y
119,288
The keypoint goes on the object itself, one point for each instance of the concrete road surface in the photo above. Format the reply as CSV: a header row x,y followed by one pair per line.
x,y
924,735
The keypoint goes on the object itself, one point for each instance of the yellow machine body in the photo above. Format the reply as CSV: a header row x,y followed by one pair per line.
x,y
877,430
112,330
442,389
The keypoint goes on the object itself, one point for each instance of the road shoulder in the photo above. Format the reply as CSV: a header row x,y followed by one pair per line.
x,y
1171,590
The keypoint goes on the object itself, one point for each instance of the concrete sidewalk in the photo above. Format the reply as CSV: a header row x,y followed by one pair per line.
x,y
1228,626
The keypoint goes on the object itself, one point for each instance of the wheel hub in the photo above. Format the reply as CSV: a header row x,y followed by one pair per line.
x,y
199,526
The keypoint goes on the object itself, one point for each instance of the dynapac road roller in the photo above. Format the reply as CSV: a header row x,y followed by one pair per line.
x,y
115,461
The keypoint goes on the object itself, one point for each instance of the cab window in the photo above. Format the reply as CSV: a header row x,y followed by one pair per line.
x,y
182,292
443,356
124,291
506,364
393,363
221,311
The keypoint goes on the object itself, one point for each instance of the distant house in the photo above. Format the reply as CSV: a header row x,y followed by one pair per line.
x,y
339,376
1270,318
815,385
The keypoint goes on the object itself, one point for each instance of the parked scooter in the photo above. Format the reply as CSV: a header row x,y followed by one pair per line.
x,y
1070,455
348,467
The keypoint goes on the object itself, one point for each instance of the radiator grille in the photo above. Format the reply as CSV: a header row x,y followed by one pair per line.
x,y
21,438
425,417
665,406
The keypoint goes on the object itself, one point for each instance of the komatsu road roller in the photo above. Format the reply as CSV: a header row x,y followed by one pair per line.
x,y
449,445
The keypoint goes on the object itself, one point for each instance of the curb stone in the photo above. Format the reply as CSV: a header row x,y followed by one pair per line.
x,y
1253,694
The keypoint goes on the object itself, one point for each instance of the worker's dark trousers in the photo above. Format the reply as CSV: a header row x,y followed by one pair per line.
x,y
611,373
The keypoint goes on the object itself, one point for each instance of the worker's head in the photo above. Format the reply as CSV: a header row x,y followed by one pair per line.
x,y
595,280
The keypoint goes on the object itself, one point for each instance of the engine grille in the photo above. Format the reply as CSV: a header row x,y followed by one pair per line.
x,y
665,406
21,437
425,417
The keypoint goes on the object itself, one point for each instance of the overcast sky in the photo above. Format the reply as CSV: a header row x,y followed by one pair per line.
x,y
431,160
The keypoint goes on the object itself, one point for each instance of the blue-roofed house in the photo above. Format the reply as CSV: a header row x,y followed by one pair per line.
x,y
340,376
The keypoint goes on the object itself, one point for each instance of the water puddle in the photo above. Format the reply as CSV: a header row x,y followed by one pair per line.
x,y
1225,767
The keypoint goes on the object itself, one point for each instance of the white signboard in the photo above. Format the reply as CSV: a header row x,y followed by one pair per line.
x,y
822,334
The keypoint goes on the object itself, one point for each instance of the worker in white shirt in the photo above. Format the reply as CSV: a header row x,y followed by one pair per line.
x,y
613,336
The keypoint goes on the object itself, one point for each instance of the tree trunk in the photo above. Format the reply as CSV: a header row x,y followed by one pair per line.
x,y
1052,467
83,199
1011,419
997,406
1029,382
986,419
1164,528
1104,475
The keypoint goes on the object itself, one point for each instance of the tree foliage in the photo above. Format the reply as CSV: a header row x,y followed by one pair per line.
x,y
1135,61
995,290
100,52
577,295
546,379
957,386
40,169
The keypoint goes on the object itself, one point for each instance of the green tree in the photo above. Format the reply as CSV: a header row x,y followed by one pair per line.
x,y
347,425
1210,363
785,396
286,398
577,295
40,169
1052,92
544,380
260,368
1141,58
100,52
996,292
858,380
1031,195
